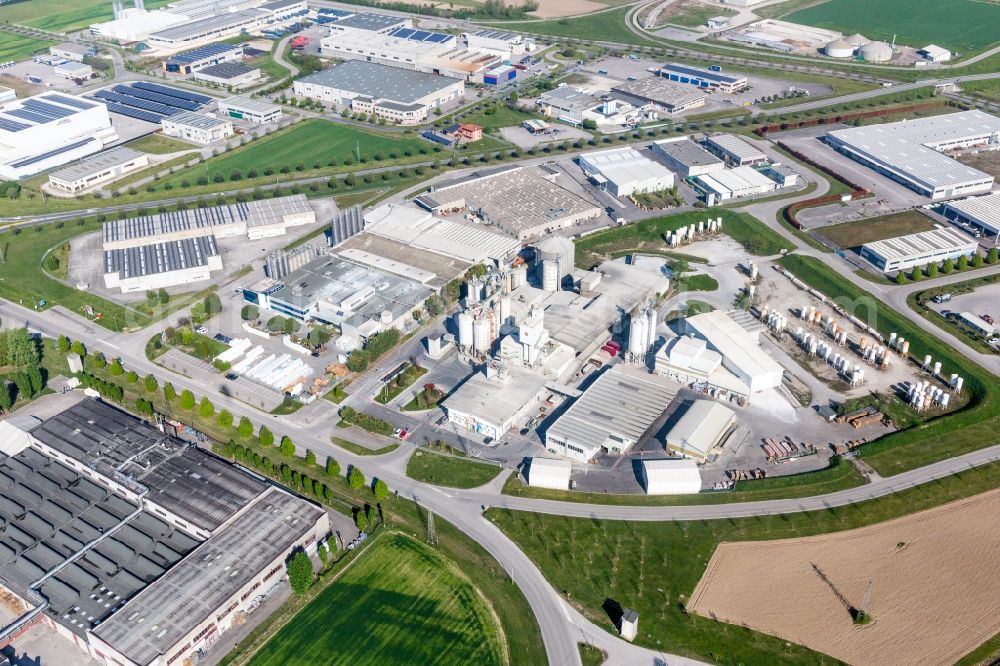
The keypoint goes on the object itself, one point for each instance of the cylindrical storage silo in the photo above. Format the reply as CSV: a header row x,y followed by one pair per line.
x,y
958,384
637,335
464,330
481,341
505,310
650,327
518,276
550,275
927,360
937,367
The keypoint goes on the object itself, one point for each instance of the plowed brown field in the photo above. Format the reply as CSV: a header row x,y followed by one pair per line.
x,y
935,586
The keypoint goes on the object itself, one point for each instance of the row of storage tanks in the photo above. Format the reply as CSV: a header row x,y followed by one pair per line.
x,y
642,332
479,326
688,233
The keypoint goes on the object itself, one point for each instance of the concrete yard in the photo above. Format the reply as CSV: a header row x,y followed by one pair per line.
x,y
935,594
984,300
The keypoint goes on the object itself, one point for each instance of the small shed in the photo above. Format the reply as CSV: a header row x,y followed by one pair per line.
x,y
671,476
630,624
549,473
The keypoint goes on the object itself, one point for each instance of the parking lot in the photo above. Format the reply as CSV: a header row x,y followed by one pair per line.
x,y
984,300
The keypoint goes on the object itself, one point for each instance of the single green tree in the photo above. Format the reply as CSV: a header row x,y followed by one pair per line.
x,y
245,429
265,436
169,392
287,447
99,361
205,408
932,270
116,368
356,479
300,572
64,344
963,262
225,418
310,457
900,277
150,383
332,467
977,260
381,490
78,348
949,266
187,400
361,520
249,312
131,376
993,256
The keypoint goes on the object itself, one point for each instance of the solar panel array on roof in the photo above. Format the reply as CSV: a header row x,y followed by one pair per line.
x,y
202,52
132,112
52,111
52,153
31,116
151,96
139,103
420,35
173,92
69,101
12,125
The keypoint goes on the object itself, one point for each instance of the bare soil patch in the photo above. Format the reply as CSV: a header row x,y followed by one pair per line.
x,y
549,9
935,595
988,161
858,232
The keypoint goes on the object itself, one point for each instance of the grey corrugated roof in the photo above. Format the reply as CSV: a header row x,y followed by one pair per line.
x,y
380,81
162,257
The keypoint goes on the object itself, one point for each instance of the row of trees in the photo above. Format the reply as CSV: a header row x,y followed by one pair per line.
x,y
21,357
949,266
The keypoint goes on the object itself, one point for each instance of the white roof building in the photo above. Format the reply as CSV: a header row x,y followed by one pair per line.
x,y
740,350
926,247
743,181
625,171
909,151
935,53
197,127
734,150
612,414
983,213
671,477
549,473
700,429
976,324
489,406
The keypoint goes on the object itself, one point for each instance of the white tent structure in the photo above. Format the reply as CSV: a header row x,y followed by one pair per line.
x,y
671,477
549,473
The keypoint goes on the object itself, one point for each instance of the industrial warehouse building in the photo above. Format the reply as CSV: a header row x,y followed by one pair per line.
x,y
73,51
197,127
927,247
910,151
189,62
252,109
49,130
359,299
735,151
73,70
523,202
255,18
703,78
661,94
738,344
687,157
130,530
408,48
700,430
549,473
625,171
491,402
253,219
613,414
671,477
505,44
982,213
98,169
162,264
233,74
377,24
733,183
396,94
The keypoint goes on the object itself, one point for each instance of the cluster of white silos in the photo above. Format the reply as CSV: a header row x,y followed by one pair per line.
x,y
478,327
691,232
874,354
753,272
641,333
773,319
923,395
900,344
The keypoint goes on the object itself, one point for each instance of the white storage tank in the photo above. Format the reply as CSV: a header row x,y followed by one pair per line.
x,y
465,324
550,275
637,335
518,276
481,339
505,310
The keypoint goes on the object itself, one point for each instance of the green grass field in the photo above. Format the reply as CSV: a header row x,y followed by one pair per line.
x,y
604,26
648,235
492,117
310,146
158,144
970,428
401,602
61,15
859,232
653,567
18,47
22,280
956,24
446,470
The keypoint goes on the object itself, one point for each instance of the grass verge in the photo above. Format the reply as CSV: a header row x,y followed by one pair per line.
x,y
359,450
445,470
653,567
